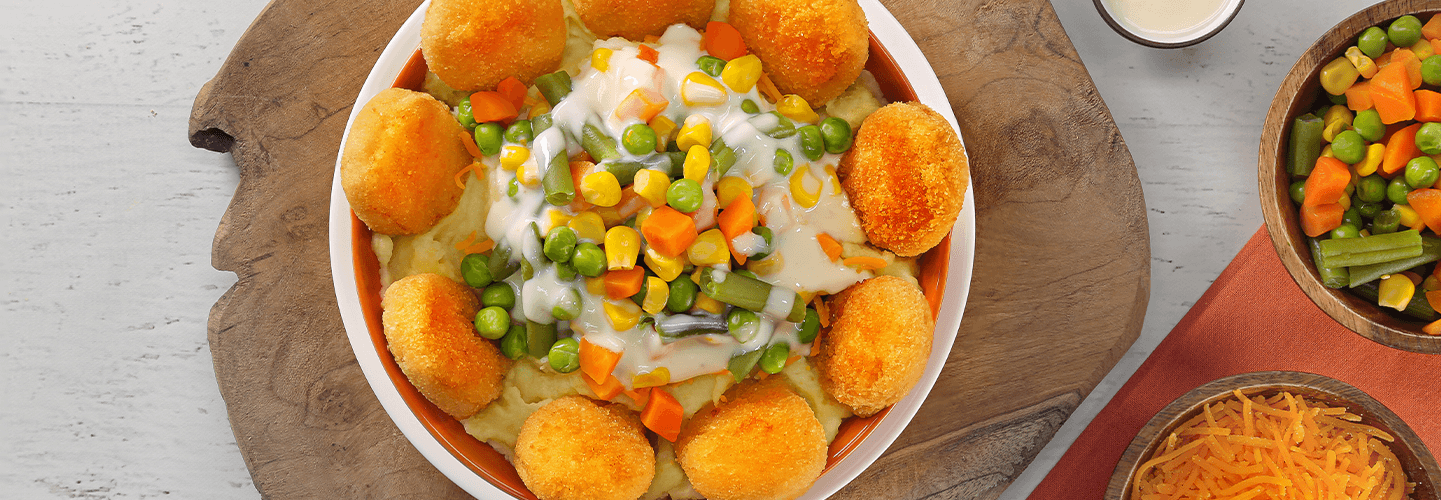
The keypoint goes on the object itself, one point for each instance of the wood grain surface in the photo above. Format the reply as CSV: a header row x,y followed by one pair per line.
x,y
1059,291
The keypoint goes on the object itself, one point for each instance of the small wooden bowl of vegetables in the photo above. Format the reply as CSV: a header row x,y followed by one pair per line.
x,y
1349,173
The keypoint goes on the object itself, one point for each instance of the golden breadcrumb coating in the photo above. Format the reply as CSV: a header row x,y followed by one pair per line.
x,y
811,48
764,443
474,44
575,448
634,19
428,326
400,161
906,177
877,346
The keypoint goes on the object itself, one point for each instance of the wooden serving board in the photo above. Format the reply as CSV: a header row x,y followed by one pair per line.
x,y
1061,278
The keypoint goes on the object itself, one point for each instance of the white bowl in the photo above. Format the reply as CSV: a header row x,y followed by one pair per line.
x,y
1145,22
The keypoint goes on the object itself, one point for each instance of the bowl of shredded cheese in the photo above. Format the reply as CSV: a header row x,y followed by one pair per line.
x,y
1275,434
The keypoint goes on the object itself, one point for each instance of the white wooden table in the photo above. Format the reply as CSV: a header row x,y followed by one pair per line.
x,y
106,384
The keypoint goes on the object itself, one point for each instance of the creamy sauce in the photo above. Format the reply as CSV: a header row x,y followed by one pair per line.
x,y
1166,19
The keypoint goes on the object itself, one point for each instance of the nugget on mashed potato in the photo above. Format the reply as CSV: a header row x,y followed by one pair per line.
x,y
427,320
877,346
811,48
576,448
474,44
764,443
906,176
634,19
400,160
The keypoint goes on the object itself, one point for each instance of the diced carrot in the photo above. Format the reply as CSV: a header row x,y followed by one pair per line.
x,y
1327,182
641,103
1436,45
1408,60
1432,29
641,396
1434,327
1358,96
1428,106
865,263
648,54
607,390
491,106
829,245
1399,150
512,89
622,283
597,361
669,232
663,414
1317,219
738,218
1427,204
1391,94
723,40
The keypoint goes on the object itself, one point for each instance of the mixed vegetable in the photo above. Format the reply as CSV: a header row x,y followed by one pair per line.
x,y
1365,174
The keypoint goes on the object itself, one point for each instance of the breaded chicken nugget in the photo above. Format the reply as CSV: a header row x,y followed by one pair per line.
x,y
765,443
811,48
906,177
634,19
575,448
474,44
877,346
428,327
400,161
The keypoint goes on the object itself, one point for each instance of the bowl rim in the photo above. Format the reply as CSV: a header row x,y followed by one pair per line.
x,y
1234,7
1296,93
922,78
1333,392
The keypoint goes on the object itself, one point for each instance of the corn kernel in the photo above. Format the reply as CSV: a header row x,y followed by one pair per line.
x,y
794,107
834,178
554,218
667,268
600,188
804,197
695,132
1326,151
512,156
623,314
697,163
699,89
641,103
588,226
1409,217
1396,291
1374,154
1329,133
742,73
664,131
641,215
600,59
654,378
1345,202
529,177
1364,64
767,266
650,185
657,292
1338,75
1422,49
622,246
731,188
610,216
709,249
596,285
707,304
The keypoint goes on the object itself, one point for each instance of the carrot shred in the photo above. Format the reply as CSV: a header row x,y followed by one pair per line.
x,y
822,310
469,142
768,88
830,246
864,263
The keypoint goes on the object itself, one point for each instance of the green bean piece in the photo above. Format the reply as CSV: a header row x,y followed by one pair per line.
x,y
747,273
736,290
558,184
1431,71
1368,124
465,115
784,127
1371,188
685,195
513,344
682,294
1372,42
513,189
1344,231
1367,210
638,139
538,124
784,162
589,260
1430,252
567,305
600,146
492,322
475,269
1386,221
498,295
750,107
565,355
1418,308
639,297
1349,147
685,325
1305,144
1372,249
539,338
711,65
559,244
810,326
500,265
722,157
741,365
765,234
837,135
527,270
1397,190
1331,277
489,137
519,132
813,146
677,163
624,171
774,360
565,271
554,87
1405,31
743,325
798,310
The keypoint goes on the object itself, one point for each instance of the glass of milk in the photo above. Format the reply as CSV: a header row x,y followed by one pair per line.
x,y
1168,24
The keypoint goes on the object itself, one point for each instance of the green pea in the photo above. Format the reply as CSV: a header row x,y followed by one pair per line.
x,y
1348,146
1422,172
684,195
1353,217
567,305
565,271
682,295
1372,42
711,65
750,107
513,345
1368,124
519,132
1387,221
1336,99
475,268
464,114
1367,209
1298,191
774,360
837,135
1371,188
559,244
812,144
588,259
565,355
498,295
809,326
513,189
1428,138
1405,31
488,137
492,322
1397,190
1431,70
639,139
743,324
1345,231
784,163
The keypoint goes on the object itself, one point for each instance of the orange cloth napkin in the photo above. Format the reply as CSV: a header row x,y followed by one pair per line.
x,y
1253,318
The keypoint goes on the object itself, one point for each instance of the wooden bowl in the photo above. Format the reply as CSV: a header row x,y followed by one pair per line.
x,y
1297,95
1417,461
